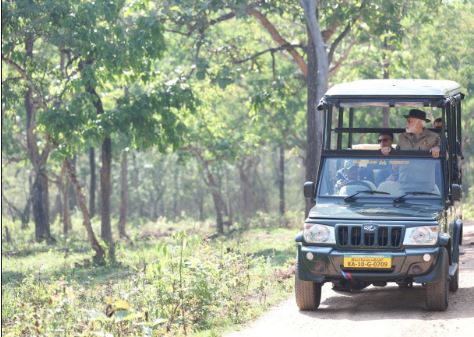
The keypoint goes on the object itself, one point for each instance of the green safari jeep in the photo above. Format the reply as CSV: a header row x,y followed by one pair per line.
x,y
394,218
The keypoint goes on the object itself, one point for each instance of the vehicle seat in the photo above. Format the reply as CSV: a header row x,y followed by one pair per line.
x,y
371,184
380,175
351,189
392,187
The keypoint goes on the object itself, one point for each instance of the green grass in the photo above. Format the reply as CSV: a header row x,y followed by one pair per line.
x,y
166,282
468,205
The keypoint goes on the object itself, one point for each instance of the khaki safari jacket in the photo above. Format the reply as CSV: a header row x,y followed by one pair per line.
x,y
425,141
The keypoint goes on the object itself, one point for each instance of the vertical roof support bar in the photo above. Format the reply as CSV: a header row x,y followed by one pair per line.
x,y
351,125
458,124
340,124
450,110
459,142
328,127
445,148
325,130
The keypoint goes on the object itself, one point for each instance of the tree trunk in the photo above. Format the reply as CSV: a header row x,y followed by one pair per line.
x,y
123,196
25,217
247,188
260,191
40,200
311,161
200,204
281,178
105,170
217,198
386,75
8,237
228,199
39,191
93,182
99,251
176,192
105,192
219,212
317,82
66,187
245,194
71,193
135,183
15,212
58,205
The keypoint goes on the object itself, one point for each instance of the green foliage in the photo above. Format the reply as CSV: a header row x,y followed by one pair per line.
x,y
96,70
161,287
204,77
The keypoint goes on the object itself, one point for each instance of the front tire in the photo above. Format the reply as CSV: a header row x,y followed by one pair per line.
x,y
307,293
437,294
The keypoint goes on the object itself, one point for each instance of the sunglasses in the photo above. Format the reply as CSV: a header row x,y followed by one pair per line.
x,y
384,140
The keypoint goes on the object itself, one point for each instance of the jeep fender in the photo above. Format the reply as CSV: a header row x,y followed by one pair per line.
x,y
299,237
436,274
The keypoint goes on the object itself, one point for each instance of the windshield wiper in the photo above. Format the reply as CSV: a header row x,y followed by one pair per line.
x,y
402,197
352,196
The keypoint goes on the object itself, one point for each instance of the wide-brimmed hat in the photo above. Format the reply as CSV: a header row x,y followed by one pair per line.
x,y
419,114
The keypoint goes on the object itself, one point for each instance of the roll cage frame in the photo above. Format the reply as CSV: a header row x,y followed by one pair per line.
x,y
450,135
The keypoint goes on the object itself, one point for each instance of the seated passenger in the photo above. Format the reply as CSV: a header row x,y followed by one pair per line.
x,y
417,137
351,178
385,141
342,173
417,176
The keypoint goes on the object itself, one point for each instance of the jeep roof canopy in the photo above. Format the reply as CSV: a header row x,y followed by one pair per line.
x,y
392,93
343,99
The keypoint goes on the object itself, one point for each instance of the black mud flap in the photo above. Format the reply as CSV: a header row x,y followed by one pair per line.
x,y
457,230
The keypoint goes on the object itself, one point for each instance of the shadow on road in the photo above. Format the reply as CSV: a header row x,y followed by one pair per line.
x,y
394,303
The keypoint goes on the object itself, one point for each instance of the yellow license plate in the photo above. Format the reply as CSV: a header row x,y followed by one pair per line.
x,y
367,262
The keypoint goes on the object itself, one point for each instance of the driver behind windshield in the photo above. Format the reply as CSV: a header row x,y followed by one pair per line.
x,y
349,175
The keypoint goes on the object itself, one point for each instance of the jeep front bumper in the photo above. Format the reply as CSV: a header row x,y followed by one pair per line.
x,y
323,264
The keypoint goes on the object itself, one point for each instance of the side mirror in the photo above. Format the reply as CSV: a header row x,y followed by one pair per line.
x,y
456,192
308,189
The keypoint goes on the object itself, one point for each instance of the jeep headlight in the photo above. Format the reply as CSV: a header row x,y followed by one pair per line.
x,y
422,235
316,233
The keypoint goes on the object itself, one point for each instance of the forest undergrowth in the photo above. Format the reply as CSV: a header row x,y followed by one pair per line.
x,y
172,278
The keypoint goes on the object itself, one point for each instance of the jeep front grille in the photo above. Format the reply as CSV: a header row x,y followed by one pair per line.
x,y
374,236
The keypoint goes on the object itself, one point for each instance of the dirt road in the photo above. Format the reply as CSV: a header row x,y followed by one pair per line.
x,y
386,311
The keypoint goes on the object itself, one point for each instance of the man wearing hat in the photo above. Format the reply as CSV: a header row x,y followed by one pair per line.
x,y
417,137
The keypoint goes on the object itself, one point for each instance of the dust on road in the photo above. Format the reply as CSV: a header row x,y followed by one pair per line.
x,y
387,311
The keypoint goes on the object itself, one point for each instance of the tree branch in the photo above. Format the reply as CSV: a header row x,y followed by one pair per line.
x,y
15,79
338,40
341,59
344,33
269,50
174,31
279,39
25,76
221,18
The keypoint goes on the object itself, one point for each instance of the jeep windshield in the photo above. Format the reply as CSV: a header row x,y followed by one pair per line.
x,y
388,178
